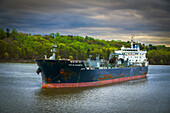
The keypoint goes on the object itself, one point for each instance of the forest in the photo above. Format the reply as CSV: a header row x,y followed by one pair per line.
x,y
23,47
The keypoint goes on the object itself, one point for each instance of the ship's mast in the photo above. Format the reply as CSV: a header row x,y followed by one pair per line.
x,y
54,46
132,40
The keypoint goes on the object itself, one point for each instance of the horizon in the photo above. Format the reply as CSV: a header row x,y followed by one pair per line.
x,y
92,37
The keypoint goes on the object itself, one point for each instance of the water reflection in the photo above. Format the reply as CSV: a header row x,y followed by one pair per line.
x,y
87,99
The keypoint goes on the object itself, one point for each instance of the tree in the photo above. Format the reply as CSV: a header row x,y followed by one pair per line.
x,y
7,32
108,53
3,48
14,34
6,55
57,34
161,62
71,57
52,35
2,34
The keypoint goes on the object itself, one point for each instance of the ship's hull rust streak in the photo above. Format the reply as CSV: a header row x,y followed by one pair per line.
x,y
87,84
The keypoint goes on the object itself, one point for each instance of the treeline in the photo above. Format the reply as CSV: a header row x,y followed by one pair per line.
x,y
18,47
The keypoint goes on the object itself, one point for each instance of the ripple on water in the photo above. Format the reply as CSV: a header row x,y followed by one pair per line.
x,y
20,91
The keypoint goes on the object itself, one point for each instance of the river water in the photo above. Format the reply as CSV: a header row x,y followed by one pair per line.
x,y
20,92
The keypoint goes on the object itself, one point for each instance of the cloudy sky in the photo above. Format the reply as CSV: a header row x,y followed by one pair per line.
x,y
149,20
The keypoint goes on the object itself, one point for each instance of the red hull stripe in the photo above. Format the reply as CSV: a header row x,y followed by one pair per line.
x,y
87,84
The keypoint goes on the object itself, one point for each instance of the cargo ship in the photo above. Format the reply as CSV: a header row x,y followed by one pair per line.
x,y
122,65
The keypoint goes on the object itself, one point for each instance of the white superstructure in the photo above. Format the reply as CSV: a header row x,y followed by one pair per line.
x,y
133,54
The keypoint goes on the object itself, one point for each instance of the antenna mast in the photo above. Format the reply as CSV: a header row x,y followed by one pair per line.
x,y
132,39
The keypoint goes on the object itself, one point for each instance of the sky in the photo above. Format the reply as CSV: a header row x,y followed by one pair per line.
x,y
149,20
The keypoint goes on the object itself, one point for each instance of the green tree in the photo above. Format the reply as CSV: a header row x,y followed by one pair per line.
x,y
52,35
57,34
14,34
58,57
6,55
7,32
2,34
3,48
161,62
71,57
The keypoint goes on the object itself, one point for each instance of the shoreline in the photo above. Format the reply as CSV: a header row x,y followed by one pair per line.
x,y
32,61
16,61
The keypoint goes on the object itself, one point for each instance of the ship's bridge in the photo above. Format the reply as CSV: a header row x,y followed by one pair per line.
x,y
133,54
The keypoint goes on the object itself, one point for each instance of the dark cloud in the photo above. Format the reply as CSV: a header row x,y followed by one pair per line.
x,y
147,17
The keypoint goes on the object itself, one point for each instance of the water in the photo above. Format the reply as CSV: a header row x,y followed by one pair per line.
x,y
20,92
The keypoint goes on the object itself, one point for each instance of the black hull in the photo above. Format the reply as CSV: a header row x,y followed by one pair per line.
x,y
58,73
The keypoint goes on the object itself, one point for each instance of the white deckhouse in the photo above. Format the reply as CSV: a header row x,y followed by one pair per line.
x,y
133,54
